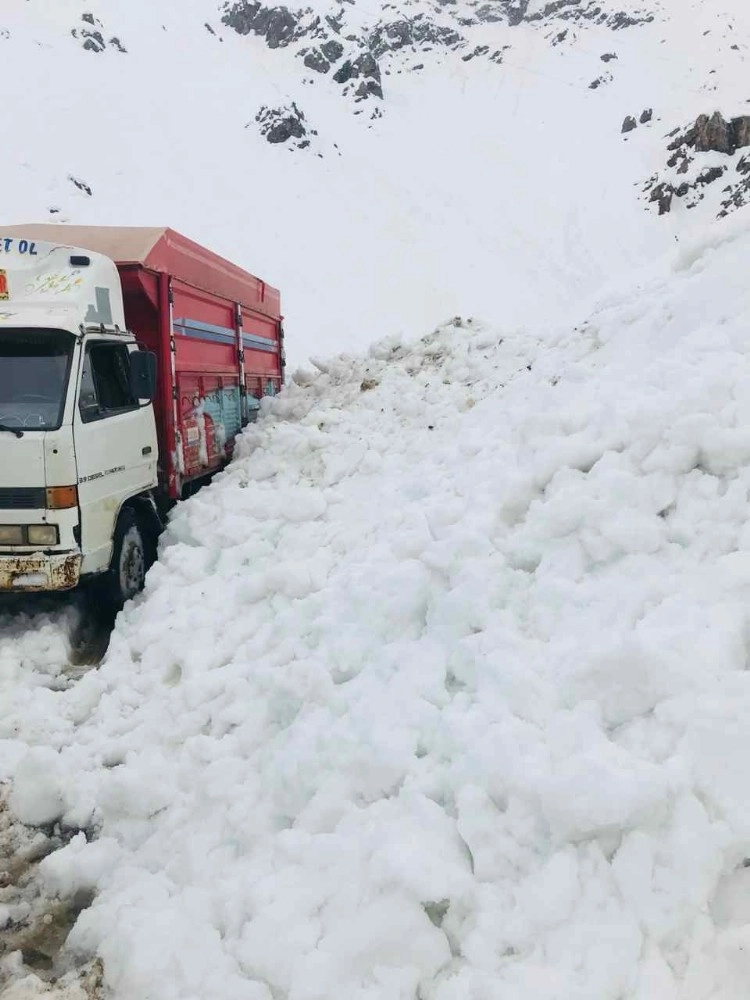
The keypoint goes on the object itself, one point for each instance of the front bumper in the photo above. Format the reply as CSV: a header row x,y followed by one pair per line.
x,y
37,571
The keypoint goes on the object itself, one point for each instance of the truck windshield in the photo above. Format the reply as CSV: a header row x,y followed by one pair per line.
x,y
34,368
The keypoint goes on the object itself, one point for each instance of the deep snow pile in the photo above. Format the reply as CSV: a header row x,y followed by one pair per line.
x,y
441,690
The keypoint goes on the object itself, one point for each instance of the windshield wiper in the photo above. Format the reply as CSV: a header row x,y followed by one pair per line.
x,y
12,430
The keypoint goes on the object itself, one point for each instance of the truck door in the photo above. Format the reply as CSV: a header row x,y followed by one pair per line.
x,y
115,445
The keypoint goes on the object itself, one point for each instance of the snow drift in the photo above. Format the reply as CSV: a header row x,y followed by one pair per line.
x,y
441,690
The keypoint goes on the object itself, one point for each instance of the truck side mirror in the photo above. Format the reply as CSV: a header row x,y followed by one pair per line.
x,y
143,374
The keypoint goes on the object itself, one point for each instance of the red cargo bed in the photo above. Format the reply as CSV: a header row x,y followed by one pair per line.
x,y
215,329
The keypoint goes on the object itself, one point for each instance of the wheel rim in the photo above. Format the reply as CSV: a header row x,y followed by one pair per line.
x,y
132,564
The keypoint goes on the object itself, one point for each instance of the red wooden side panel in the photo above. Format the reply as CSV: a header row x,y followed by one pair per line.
x,y
207,367
146,314
263,375
177,255
197,428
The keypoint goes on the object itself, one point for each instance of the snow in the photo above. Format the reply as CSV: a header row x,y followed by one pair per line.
x,y
441,688
440,691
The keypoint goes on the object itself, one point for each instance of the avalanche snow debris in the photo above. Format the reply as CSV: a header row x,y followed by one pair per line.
x,y
441,689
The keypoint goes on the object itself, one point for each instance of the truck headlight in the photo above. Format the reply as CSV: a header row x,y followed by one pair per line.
x,y
42,534
11,534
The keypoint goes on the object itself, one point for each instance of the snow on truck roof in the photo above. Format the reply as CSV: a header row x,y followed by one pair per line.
x,y
159,248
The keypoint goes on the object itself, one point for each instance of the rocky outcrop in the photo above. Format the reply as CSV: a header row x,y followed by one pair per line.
x,y
92,37
686,177
284,124
278,25
739,195
315,60
590,10
715,133
357,53
332,50
418,32
362,75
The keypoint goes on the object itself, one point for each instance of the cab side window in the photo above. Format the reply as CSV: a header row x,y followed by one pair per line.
x,y
105,382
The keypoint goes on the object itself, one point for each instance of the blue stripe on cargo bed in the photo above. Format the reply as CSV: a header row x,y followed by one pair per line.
x,y
222,334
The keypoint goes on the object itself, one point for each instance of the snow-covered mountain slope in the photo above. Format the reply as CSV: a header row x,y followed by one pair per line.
x,y
491,178
441,690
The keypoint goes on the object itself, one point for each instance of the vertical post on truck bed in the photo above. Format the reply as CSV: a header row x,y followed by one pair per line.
x,y
241,362
175,393
169,384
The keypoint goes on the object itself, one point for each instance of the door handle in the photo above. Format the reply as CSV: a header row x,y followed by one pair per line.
x,y
146,450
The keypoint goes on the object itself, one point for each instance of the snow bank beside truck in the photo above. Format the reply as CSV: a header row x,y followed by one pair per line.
x,y
441,689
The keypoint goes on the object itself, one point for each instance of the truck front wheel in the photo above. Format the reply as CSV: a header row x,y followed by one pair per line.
x,y
127,571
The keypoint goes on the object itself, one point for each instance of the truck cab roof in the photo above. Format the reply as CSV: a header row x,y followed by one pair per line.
x,y
46,284
157,249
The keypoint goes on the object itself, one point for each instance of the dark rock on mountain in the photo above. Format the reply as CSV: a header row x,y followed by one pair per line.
x,y
709,175
488,13
283,124
480,50
277,25
662,195
418,32
93,41
629,124
515,10
80,184
315,60
578,11
358,54
715,133
622,20
364,68
646,116
708,134
738,195
332,50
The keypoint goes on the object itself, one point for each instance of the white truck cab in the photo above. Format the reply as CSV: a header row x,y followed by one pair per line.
x,y
78,442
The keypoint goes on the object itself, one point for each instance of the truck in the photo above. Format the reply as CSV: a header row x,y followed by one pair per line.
x,y
130,360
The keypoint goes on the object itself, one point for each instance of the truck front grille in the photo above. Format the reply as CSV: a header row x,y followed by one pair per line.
x,y
22,498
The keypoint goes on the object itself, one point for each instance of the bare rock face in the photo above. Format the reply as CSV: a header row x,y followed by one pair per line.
x,y
365,69
92,35
709,134
277,25
282,124
357,53
417,32
332,50
714,133
315,60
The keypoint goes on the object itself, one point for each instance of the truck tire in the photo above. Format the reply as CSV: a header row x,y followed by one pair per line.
x,y
127,571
